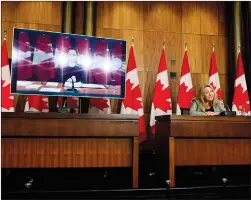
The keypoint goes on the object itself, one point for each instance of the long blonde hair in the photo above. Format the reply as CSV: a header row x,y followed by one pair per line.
x,y
200,97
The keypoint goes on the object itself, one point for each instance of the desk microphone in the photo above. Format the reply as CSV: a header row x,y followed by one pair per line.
x,y
72,87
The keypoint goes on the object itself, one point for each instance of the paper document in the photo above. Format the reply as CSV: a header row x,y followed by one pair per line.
x,y
54,84
35,86
23,83
50,90
95,86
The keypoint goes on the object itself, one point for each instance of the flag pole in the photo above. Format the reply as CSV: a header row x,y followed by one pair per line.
x,y
185,46
164,43
5,34
213,46
239,48
132,41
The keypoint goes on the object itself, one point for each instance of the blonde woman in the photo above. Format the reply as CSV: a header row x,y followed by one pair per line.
x,y
206,102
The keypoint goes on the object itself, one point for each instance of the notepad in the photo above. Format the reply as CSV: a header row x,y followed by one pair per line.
x,y
50,90
54,84
23,83
34,86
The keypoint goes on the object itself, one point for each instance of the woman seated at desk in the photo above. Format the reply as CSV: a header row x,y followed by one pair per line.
x,y
206,102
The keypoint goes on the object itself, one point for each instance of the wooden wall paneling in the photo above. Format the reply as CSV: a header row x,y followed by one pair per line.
x,y
28,12
224,87
50,12
49,27
222,56
193,50
152,47
207,42
198,80
138,46
222,21
149,84
162,16
99,14
27,26
9,11
191,18
79,17
174,51
209,18
123,15
109,33
8,26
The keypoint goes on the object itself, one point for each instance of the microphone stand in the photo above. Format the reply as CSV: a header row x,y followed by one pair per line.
x,y
72,87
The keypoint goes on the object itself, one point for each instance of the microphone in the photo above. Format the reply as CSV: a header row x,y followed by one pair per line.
x,y
72,87
227,107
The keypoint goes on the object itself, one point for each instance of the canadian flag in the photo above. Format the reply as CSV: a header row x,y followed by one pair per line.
x,y
43,58
36,103
7,98
186,92
241,98
161,104
24,70
132,103
72,102
214,80
100,105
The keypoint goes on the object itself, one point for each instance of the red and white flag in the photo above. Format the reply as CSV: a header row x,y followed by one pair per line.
x,y
161,104
7,98
186,91
100,105
36,103
214,80
241,98
43,59
24,63
72,102
132,103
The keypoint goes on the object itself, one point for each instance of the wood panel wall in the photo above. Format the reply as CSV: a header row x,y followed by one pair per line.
x,y
200,24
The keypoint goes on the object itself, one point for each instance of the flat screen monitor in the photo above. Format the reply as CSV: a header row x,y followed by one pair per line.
x,y
58,64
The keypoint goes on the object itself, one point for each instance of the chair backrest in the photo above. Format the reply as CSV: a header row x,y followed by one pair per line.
x,y
184,111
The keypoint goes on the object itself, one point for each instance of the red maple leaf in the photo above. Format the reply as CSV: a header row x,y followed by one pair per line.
x,y
99,103
37,102
161,96
7,103
72,102
185,98
241,98
132,95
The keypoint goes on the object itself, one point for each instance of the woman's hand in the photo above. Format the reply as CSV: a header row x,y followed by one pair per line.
x,y
210,113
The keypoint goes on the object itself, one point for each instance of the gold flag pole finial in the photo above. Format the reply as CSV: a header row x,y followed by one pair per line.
x,y
239,48
5,34
132,41
164,43
185,46
213,46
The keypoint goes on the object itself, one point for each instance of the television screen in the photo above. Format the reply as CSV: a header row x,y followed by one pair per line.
x,y
49,63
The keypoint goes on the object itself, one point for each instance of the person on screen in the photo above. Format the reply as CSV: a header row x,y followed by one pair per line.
x,y
72,71
206,102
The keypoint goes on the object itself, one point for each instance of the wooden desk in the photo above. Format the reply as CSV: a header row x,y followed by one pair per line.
x,y
56,140
183,140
